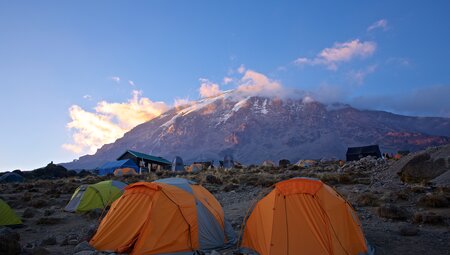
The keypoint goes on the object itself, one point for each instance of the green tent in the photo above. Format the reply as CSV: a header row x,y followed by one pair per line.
x,y
7,216
99,195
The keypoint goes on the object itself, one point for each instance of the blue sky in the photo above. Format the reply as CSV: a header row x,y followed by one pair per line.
x,y
57,54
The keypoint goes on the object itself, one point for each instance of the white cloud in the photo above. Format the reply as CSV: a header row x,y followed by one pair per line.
x,y
109,121
208,89
227,80
241,69
131,82
358,76
116,79
87,97
340,52
181,101
382,23
254,83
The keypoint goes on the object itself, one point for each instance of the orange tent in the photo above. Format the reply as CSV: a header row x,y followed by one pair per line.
x,y
167,216
127,171
303,216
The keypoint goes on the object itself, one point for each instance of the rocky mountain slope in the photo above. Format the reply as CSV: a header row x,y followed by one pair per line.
x,y
254,129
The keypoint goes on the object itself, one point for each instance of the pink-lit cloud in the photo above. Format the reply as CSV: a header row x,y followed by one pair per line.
x,y
109,121
227,80
208,88
254,83
340,52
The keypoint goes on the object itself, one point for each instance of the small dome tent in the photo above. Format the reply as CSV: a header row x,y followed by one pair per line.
x,y
7,216
109,167
177,164
195,167
228,162
168,216
127,171
99,195
303,216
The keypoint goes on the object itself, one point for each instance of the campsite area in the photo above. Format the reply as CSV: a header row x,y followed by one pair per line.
x,y
396,216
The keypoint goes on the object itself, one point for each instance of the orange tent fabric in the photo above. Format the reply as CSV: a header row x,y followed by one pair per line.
x,y
157,218
127,171
303,216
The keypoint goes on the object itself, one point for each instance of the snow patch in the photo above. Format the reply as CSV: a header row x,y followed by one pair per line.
x,y
261,108
197,106
236,108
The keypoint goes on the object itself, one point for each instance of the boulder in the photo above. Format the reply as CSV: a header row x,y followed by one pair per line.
x,y
408,230
213,179
49,240
28,213
9,242
83,246
391,211
423,168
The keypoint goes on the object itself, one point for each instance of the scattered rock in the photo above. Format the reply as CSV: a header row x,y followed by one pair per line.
x,y
50,240
367,199
213,179
38,203
94,214
408,230
9,241
49,212
40,251
391,211
433,200
85,253
48,221
28,213
230,187
83,246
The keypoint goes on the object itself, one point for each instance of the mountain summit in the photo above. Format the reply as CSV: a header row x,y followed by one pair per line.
x,y
256,128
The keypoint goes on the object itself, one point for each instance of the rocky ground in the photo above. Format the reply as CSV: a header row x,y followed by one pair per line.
x,y
398,217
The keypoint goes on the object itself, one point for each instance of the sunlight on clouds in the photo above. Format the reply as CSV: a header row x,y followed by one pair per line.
x,y
208,88
227,80
254,83
109,121
340,52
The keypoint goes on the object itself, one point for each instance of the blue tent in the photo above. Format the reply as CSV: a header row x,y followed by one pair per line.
x,y
177,164
109,167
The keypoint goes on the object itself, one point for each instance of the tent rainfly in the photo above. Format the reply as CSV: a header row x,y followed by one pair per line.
x,y
110,167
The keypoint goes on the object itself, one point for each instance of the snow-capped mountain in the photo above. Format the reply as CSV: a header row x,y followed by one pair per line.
x,y
254,128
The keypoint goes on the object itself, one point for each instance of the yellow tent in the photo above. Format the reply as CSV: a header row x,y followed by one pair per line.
x,y
7,216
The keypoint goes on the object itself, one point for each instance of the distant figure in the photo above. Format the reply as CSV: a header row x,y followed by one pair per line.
x,y
177,164
284,163
228,162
